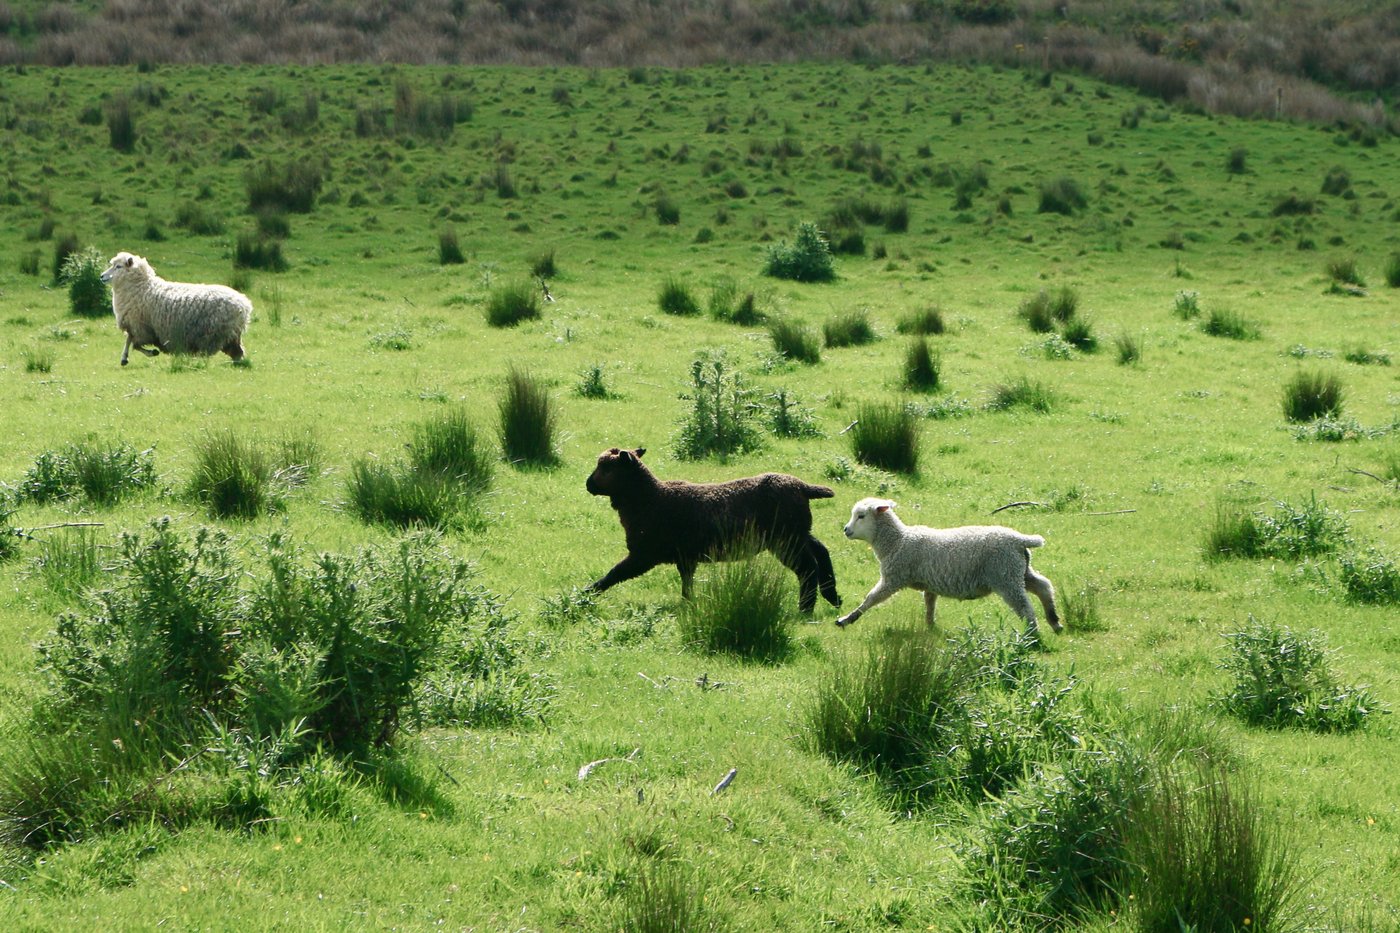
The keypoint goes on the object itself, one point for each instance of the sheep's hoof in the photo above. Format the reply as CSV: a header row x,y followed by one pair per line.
x,y
844,621
124,362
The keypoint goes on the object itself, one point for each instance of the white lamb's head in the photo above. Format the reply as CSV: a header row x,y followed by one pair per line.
x,y
125,265
864,515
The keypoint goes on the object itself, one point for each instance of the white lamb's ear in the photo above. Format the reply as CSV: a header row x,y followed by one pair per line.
x,y
130,261
883,507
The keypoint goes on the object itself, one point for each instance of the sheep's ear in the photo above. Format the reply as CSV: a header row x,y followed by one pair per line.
x,y
884,507
130,261
639,451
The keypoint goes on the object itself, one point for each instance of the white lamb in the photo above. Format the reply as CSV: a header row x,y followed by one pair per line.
x,y
961,563
176,317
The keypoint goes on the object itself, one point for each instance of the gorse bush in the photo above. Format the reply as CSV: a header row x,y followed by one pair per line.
x,y
509,304
88,295
849,329
259,665
102,473
1311,395
794,341
675,298
806,259
529,421
721,420
1282,678
886,436
741,608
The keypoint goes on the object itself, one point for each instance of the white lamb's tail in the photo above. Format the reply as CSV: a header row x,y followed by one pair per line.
x,y
1031,540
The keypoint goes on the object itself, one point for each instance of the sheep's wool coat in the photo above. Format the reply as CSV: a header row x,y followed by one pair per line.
x,y
965,562
178,317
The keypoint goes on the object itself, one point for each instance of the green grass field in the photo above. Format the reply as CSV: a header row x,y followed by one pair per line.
x,y
367,334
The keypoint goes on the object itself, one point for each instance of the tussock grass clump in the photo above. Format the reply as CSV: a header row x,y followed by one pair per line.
x,y
740,608
1207,857
1311,395
88,295
234,478
1342,271
256,250
663,897
1392,270
544,264
381,495
1079,608
1079,333
886,436
198,219
1369,576
1291,532
729,304
848,329
1282,678
1043,310
509,304
121,124
449,247
806,259
1022,393
1129,348
921,322
1364,356
37,359
291,188
1187,305
1237,162
1293,205
675,298
794,341
448,445
721,417
529,421
1337,181
667,209
921,367
101,472
1230,324
63,247
1061,195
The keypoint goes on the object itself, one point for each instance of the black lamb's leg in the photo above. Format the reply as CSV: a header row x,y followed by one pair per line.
x,y
627,568
826,573
687,569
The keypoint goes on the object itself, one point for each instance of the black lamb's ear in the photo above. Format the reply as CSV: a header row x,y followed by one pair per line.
x,y
640,451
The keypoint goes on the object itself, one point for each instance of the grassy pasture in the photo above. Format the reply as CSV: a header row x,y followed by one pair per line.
x,y
367,333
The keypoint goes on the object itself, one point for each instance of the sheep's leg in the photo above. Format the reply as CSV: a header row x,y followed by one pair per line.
x,y
234,348
802,562
882,592
1044,590
930,605
687,569
1020,603
826,574
627,568
126,350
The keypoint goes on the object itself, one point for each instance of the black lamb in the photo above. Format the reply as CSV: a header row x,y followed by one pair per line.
x,y
681,523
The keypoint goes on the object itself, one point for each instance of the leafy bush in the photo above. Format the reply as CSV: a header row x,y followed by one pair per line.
x,y
793,341
1061,195
720,421
88,295
1230,324
675,298
1282,678
921,367
529,421
886,436
849,329
63,247
1311,395
922,322
512,303
807,259
741,608
102,473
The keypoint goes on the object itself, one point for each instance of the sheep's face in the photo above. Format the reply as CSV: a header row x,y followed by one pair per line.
x,y
615,471
124,264
864,514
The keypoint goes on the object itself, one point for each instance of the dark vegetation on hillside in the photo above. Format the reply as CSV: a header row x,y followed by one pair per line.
x,y
1296,59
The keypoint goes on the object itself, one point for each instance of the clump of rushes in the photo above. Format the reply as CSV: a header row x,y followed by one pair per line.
x,y
529,421
849,329
1311,395
921,367
512,303
921,322
675,298
793,341
886,436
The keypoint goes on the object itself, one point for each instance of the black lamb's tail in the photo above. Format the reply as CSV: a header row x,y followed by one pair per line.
x,y
818,492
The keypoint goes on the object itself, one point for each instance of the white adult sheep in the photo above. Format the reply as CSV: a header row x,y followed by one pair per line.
x,y
962,563
176,317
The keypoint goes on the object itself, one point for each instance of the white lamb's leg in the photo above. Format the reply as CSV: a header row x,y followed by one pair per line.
x,y
126,350
930,602
882,592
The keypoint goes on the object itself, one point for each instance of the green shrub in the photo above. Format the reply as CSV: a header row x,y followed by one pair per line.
x,y
1061,195
741,608
512,303
1207,857
65,246
1023,393
592,385
807,259
886,436
10,536
849,329
449,248
102,473
1282,678
1311,395
1236,163
921,367
793,341
1230,324
720,421
234,478
88,295
668,210
675,298
529,421
786,418
922,322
